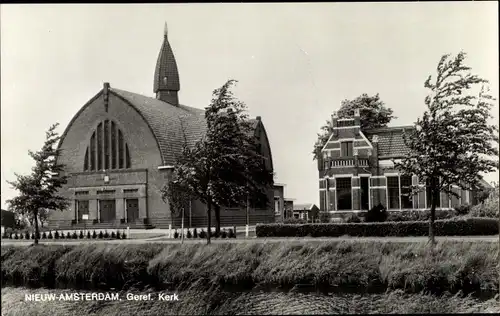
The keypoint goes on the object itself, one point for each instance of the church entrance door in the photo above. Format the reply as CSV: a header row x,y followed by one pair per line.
x,y
107,210
132,210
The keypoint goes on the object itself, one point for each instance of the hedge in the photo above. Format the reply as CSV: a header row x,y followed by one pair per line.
x,y
452,227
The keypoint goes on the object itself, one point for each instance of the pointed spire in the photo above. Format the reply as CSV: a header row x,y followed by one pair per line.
x,y
166,30
166,76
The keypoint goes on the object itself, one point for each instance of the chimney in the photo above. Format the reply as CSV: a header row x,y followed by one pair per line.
x,y
334,122
374,157
357,121
105,94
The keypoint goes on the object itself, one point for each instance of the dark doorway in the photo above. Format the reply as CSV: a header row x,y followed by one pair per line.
x,y
132,210
344,194
364,194
83,208
108,210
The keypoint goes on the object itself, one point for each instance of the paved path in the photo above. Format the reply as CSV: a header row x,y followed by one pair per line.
x,y
256,240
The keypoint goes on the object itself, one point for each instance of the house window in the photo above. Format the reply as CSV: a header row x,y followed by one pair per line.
x,y
406,199
92,152
277,206
364,193
393,192
344,192
86,162
113,145
106,145
99,147
322,200
346,149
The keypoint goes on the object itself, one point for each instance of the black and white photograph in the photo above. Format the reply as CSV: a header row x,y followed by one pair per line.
x,y
250,158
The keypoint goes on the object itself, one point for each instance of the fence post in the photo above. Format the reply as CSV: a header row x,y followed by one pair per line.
x,y
169,230
246,230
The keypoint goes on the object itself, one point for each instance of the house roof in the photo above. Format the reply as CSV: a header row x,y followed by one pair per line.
x,y
170,124
304,206
390,140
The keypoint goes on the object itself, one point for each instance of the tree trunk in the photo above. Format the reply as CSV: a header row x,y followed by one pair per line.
x,y
217,220
36,228
432,218
209,214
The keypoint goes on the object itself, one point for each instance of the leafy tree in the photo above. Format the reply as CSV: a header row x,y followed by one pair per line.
x,y
453,143
225,166
178,196
38,191
373,114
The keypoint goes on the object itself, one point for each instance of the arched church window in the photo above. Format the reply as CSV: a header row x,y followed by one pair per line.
x,y
107,149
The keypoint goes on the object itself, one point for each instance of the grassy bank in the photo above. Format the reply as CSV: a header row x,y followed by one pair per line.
x,y
213,303
355,267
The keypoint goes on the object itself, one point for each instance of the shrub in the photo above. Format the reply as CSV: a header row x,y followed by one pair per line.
x,y
56,235
94,235
294,221
50,235
224,234
353,218
117,235
106,234
489,208
215,234
74,236
455,227
203,234
113,235
377,213
195,233
124,235
101,235
189,235
176,234
27,235
16,236
420,215
463,209
88,234
68,235
81,236
44,235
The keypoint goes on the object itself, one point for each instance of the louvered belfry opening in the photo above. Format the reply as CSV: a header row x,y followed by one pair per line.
x,y
107,149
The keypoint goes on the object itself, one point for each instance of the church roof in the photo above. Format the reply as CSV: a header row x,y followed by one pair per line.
x,y
171,125
390,141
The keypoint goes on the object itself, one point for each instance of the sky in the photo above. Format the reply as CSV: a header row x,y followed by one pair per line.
x,y
294,64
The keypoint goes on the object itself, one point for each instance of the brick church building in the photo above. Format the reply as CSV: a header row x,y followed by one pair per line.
x,y
356,171
120,147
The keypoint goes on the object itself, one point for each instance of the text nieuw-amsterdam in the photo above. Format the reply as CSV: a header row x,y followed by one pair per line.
x,y
42,297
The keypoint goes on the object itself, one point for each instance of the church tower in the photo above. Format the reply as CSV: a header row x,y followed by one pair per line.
x,y
166,80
